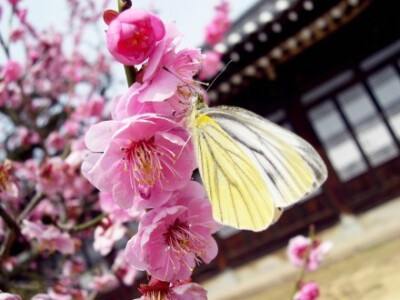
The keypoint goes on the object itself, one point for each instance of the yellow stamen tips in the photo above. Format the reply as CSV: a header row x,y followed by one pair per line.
x,y
143,161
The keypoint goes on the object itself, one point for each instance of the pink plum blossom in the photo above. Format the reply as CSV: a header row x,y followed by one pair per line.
x,y
49,237
92,108
123,270
12,71
23,138
7,296
173,238
104,282
128,104
61,291
41,297
219,25
184,290
71,127
308,291
133,34
55,142
51,175
106,235
211,65
140,160
16,34
298,248
169,69
116,213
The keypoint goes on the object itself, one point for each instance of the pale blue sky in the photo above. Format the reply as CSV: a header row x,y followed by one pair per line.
x,y
191,18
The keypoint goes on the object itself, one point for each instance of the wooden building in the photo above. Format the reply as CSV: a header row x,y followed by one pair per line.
x,y
329,71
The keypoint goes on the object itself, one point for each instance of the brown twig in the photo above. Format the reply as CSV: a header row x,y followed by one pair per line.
x,y
89,224
12,233
4,46
31,205
130,71
311,233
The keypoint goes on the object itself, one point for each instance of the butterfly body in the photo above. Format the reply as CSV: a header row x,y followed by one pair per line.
x,y
250,167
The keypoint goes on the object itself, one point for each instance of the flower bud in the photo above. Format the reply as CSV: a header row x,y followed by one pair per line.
x,y
132,35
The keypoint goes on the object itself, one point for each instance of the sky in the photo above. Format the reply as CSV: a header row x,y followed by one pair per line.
x,y
190,16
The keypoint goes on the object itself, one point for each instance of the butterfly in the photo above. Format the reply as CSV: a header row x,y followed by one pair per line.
x,y
251,168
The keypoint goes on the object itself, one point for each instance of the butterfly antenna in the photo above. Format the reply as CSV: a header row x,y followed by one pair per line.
x,y
177,76
219,74
183,147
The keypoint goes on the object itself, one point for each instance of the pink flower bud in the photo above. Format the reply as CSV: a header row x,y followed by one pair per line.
x,y
308,291
132,35
211,65
12,71
14,2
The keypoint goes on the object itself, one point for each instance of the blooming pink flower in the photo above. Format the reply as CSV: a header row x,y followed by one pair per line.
x,y
172,238
189,291
211,65
116,213
105,282
12,71
140,160
298,248
55,142
49,237
7,296
41,297
106,235
62,291
23,137
92,108
220,24
51,175
308,291
128,104
168,69
133,34
71,127
123,270
184,290
16,34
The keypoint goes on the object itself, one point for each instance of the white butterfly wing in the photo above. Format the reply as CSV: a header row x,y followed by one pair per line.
x,y
290,166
